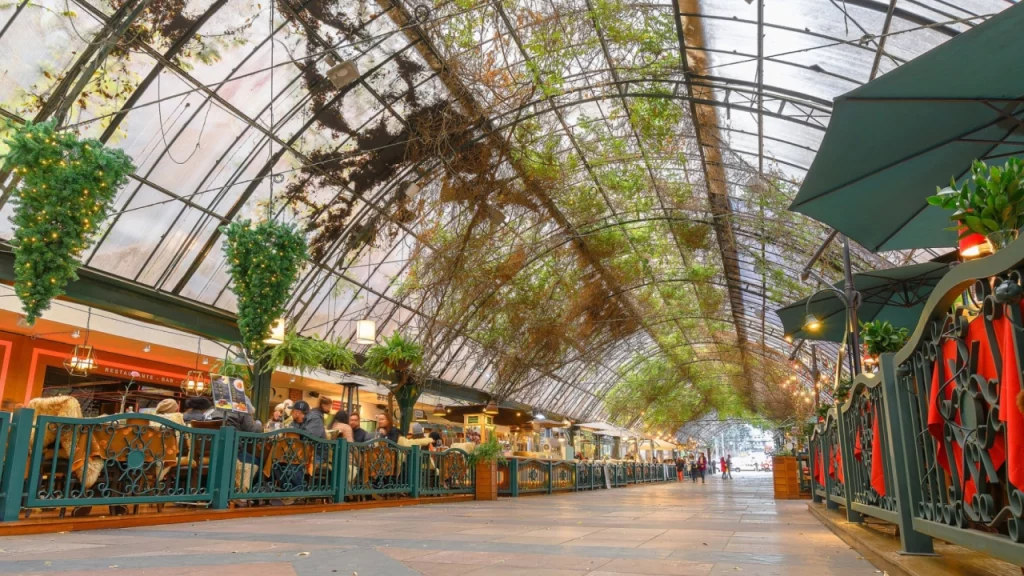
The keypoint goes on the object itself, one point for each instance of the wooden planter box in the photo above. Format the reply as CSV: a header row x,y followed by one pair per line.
x,y
486,481
786,477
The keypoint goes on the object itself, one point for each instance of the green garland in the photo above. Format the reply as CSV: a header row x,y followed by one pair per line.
x,y
263,260
67,188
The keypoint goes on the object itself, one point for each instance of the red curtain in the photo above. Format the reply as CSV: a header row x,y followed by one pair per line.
x,y
877,467
987,369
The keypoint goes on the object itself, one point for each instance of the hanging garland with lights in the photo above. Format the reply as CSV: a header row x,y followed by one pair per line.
x,y
67,188
264,260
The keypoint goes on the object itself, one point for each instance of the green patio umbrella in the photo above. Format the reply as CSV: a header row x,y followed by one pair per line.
x,y
895,294
891,142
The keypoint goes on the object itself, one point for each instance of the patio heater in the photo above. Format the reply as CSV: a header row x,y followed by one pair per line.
x,y
350,396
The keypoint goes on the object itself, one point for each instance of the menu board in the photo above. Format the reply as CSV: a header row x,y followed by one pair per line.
x,y
231,396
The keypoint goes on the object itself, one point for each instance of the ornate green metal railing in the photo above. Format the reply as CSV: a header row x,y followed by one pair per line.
x,y
130,459
957,384
281,464
446,472
869,473
934,441
382,467
113,460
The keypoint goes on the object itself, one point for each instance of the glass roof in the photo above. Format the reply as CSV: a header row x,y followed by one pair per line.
x,y
573,129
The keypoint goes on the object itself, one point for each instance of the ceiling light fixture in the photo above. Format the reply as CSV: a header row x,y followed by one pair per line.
x,y
341,74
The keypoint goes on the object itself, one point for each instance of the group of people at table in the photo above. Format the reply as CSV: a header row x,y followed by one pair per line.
x,y
316,422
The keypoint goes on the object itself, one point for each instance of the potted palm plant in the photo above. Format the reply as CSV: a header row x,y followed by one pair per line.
x,y
484,460
991,203
395,357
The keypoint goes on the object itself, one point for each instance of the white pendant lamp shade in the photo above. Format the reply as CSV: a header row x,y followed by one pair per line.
x,y
366,332
276,335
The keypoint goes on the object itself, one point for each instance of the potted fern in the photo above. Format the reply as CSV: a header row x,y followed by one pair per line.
x,y
395,354
484,460
334,356
295,351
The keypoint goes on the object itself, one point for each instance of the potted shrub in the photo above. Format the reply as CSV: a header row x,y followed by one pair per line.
x,y
991,203
881,336
484,460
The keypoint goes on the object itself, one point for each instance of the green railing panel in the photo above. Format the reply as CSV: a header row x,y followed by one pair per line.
x,y
5,427
122,459
563,475
446,472
532,475
286,463
957,387
379,467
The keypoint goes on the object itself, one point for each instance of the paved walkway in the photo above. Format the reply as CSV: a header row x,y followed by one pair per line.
x,y
718,529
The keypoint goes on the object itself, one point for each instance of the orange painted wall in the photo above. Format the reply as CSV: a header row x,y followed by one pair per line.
x,y
24,361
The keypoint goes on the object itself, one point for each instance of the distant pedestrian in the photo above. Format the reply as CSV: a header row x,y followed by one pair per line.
x,y
680,468
702,465
693,469
723,467
728,465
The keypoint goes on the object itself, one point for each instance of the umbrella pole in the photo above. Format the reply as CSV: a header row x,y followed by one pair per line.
x,y
852,301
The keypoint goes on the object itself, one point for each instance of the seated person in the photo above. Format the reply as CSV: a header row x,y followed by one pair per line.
x,y
197,408
358,434
309,421
340,422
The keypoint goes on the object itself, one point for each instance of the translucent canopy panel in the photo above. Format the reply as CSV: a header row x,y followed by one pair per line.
x,y
555,197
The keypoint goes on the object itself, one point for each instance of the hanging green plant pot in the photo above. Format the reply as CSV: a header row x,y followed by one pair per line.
x,y
67,188
264,260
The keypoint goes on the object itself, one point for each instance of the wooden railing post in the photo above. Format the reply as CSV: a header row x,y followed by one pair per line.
x,y
222,466
901,448
12,482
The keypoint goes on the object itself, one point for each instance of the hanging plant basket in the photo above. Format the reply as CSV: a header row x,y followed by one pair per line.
x,y
67,188
264,261
394,355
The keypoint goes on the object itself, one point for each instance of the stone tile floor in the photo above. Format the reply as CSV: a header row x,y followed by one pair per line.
x,y
722,528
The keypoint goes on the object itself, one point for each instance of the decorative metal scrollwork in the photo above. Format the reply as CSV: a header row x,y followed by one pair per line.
x,y
90,461
955,379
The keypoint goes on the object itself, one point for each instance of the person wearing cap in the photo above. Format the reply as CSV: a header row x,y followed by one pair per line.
x,y
416,431
309,421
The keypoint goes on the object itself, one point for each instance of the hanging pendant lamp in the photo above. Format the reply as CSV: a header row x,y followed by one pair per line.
x,y
439,410
82,359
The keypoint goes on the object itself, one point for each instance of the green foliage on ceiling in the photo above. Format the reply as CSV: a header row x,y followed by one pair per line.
x,y
663,394
67,188
263,259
